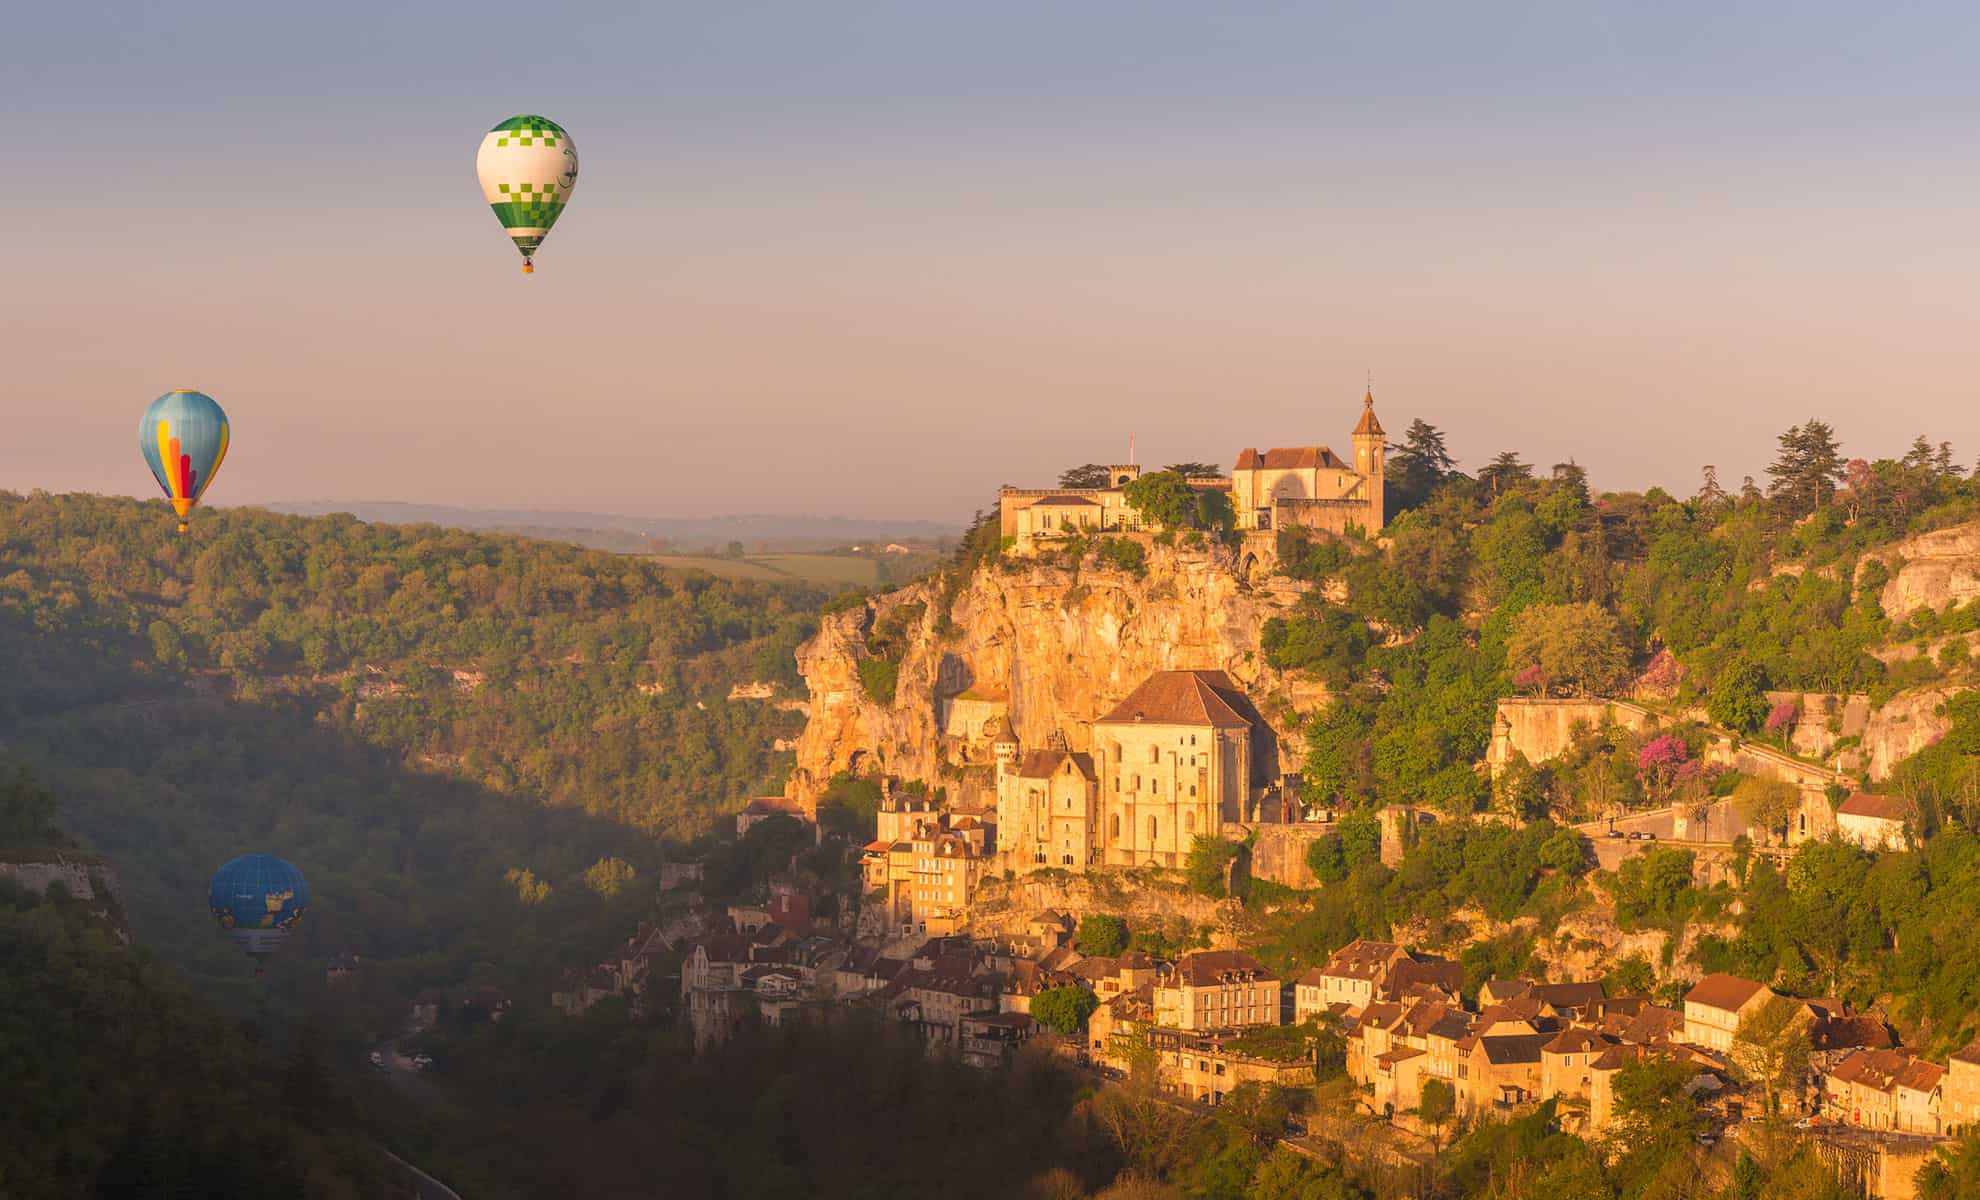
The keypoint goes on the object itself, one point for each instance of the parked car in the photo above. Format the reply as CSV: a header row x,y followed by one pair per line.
x,y
1648,836
422,1061
1636,835
1616,833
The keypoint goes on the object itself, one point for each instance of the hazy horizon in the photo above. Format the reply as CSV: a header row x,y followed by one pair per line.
x,y
878,261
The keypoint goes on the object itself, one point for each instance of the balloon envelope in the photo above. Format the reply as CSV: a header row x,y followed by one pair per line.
x,y
528,168
258,899
183,436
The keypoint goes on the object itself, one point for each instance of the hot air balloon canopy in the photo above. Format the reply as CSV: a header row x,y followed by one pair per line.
x,y
528,168
258,899
183,437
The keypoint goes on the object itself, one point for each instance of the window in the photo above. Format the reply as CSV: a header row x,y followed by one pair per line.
x,y
1192,789
1152,827
1189,822
1154,754
1114,827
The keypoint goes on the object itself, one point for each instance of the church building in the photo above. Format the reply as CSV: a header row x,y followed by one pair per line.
x,y
1173,760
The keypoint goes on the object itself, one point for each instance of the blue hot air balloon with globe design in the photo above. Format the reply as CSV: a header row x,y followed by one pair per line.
x,y
258,899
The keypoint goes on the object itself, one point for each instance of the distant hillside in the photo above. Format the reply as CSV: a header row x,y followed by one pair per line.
x,y
759,533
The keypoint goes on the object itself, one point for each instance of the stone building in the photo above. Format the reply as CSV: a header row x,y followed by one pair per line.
x,y
1875,822
1960,1108
1177,758
1284,486
1714,1007
1217,989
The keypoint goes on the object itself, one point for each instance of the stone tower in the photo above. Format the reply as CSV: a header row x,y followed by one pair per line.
x,y
1369,444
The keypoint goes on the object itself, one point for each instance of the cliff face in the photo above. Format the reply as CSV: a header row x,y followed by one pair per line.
x,y
1043,647
1938,569
87,879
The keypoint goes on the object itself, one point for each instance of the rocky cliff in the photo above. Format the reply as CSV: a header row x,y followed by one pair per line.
x,y
1040,647
86,878
1933,570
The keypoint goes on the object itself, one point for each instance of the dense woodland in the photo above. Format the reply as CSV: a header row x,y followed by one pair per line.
x,y
446,731
121,1083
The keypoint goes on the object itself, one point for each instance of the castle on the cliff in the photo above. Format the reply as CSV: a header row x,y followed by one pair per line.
x,y
1307,486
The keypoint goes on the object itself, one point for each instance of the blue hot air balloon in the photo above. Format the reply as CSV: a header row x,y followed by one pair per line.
x,y
258,899
184,438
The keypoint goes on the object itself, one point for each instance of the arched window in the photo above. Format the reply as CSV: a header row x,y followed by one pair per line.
x,y
1152,827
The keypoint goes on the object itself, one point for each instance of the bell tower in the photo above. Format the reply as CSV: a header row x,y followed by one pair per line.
x,y
1369,446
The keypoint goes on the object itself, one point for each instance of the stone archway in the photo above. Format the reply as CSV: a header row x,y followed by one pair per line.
x,y
1248,568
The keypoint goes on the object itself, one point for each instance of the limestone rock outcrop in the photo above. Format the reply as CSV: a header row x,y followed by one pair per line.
x,y
1040,647
1932,570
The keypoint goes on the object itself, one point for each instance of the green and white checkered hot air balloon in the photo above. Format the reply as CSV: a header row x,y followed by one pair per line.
x,y
528,168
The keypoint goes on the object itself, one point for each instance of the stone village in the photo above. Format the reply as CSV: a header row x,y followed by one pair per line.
x,y
1185,753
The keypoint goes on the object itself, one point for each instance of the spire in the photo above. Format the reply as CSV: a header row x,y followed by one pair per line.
x,y
1368,423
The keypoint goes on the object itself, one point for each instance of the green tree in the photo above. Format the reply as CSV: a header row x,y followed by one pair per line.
x,y
1210,857
1768,804
1579,646
1164,498
1437,1104
1064,1008
1420,465
1739,696
1808,467
608,876
1770,1049
1101,935
1195,470
1085,477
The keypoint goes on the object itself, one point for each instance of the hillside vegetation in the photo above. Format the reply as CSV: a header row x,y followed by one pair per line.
x,y
414,716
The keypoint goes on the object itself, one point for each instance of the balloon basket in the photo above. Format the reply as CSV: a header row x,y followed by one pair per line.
x,y
529,268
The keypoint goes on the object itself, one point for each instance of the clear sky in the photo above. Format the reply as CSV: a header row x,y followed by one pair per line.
x,y
876,259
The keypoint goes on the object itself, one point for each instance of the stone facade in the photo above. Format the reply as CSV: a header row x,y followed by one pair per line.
x,y
1172,761
1307,486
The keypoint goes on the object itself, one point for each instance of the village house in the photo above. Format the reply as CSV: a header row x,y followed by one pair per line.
x,y
1499,1072
991,1039
1205,1067
1960,1094
1875,822
1885,1090
1217,989
1351,977
1715,1006
1567,1060
1362,972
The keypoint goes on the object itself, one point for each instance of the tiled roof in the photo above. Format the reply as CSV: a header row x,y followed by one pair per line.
x,y
1514,1048
1288,458
1043,764
1064,500
1570,995
1361,959
1576,1041
1416,975
1207,968
1727,993
1368,423
1883,808
1876,1069
1184,698
1654,1025
1969,1053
